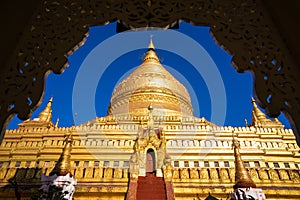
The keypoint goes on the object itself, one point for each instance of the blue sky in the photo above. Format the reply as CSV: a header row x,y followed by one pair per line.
x,y
216,89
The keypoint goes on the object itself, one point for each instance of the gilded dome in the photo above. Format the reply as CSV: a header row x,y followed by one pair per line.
x,y
150,83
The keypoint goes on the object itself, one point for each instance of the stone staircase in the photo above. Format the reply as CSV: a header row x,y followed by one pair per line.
x,y
151,187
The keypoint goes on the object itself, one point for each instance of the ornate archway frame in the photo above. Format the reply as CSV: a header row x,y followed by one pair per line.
x,y
243,28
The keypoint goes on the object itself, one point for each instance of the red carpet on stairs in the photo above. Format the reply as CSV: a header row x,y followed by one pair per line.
x,y
151,187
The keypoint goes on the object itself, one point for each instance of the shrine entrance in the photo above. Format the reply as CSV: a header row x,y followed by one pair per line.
x,y
150,161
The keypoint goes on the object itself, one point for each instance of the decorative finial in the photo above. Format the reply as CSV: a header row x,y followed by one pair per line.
x,y
56,123
63,165
255,108
235,143
246,122
242,177
151,45
46,114
150,55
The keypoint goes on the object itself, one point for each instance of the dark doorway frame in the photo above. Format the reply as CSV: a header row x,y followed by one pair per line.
x,y
151,152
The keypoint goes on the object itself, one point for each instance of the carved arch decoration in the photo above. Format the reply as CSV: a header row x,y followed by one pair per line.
x,y
241,27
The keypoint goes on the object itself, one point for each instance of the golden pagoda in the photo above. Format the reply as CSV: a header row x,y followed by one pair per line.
x,y
63,165
150,83
131,154
244,187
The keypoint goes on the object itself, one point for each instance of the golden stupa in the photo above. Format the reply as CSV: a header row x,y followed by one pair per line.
x,y
151,82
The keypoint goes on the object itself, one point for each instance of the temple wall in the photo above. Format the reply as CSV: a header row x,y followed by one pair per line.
x,y
185,138
201,155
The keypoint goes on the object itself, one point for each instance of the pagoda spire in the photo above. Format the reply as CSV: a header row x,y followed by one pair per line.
x,y
242,177
260,119
151,45
44,118
257,114
46,114
244,187
150,55
61,176
63,166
